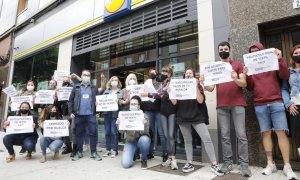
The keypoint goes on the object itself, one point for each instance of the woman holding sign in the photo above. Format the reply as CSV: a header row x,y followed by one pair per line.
x,y
168,111
113,86
191,113
136,139
53,143
27,140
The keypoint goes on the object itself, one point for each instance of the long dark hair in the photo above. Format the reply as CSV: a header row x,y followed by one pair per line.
x,y
34,83
138,99
194,74
29,113
48,110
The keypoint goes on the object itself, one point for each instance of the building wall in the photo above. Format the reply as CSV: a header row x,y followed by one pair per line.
x,y
245,16
8,15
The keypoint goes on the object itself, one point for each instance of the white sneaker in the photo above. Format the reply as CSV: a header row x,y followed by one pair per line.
x,y
167,163
106,154
174,165
113,154
271,168
289,173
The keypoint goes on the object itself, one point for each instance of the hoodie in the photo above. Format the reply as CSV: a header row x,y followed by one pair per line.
x,y
266,86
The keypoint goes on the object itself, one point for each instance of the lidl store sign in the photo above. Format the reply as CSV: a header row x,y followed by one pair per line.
x,y
116,8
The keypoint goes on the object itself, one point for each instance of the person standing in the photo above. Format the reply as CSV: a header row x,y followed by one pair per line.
x,y
270,111
231,105
82,107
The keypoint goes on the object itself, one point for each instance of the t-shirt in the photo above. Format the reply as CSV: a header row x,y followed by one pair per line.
x,y
230,94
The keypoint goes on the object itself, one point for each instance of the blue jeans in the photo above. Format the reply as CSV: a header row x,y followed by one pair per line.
x,y
53,144
143,143
27,143
271,117
111,132
154,118
81,123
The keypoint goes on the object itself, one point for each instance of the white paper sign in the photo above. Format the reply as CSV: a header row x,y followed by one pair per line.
x,y
216,72
135,90
148,86
182,89
56,128
131,120
107,102
17,100
63,93
19,124
261,61
296,4
44,97
59,76
10,91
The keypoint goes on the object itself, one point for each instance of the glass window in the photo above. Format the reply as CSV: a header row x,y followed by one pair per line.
x,y
39,67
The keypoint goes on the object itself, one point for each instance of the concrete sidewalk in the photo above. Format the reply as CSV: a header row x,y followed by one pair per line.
x,y
87,169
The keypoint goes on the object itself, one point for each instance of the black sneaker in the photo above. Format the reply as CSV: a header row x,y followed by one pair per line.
x,y
66,150
144,164
22,151
188,167
150,156
165,157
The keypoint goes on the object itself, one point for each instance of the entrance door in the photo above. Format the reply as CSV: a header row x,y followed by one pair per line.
x,y
285,39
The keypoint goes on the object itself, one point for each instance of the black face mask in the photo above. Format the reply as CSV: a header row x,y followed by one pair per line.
x,y
161,77
152,76
53,114
66,83
24,111
224,54
296,59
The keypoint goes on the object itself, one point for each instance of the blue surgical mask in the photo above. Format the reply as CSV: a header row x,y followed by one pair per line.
x,y
114,84
133,108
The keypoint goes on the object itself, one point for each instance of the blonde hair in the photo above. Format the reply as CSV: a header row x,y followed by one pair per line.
x,y
129,77
292,52
108,84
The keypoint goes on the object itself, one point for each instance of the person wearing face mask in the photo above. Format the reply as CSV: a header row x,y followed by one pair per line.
x,y
136,139
190,113
152,111
168,111
82,109
270,111
53,143
27,140
63,106
130,80
30,90
231,105
113,86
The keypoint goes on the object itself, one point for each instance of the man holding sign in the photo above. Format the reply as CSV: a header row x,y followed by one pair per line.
x,y
231,105
270,111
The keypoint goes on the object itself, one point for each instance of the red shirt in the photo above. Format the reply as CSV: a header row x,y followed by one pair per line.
x,y
230,94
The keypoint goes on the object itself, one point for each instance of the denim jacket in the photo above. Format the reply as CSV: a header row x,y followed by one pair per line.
x,y
119,94
291,87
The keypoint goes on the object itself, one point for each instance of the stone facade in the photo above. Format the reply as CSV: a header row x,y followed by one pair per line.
x,y
245,17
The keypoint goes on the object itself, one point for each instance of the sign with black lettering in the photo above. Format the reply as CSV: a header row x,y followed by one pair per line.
x,y
131,120
56,128
216,72
107,102
19,125
182,89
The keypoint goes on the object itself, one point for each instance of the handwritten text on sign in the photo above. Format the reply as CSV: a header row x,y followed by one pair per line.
x,y
135,90
63,93
107,102
44,97
261,61
17,100
19,124
183,89
10,91
216,73
131,120
56,128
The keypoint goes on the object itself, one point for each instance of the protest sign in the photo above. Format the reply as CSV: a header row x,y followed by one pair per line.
x,y
19,124
10,91
63,93
56,128
17,100
216,72
44,97
107,102
261,61
131,120
182,89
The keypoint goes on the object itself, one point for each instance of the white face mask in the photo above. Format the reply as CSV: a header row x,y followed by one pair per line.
x,y
114,84
132,82
86,79
30,88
